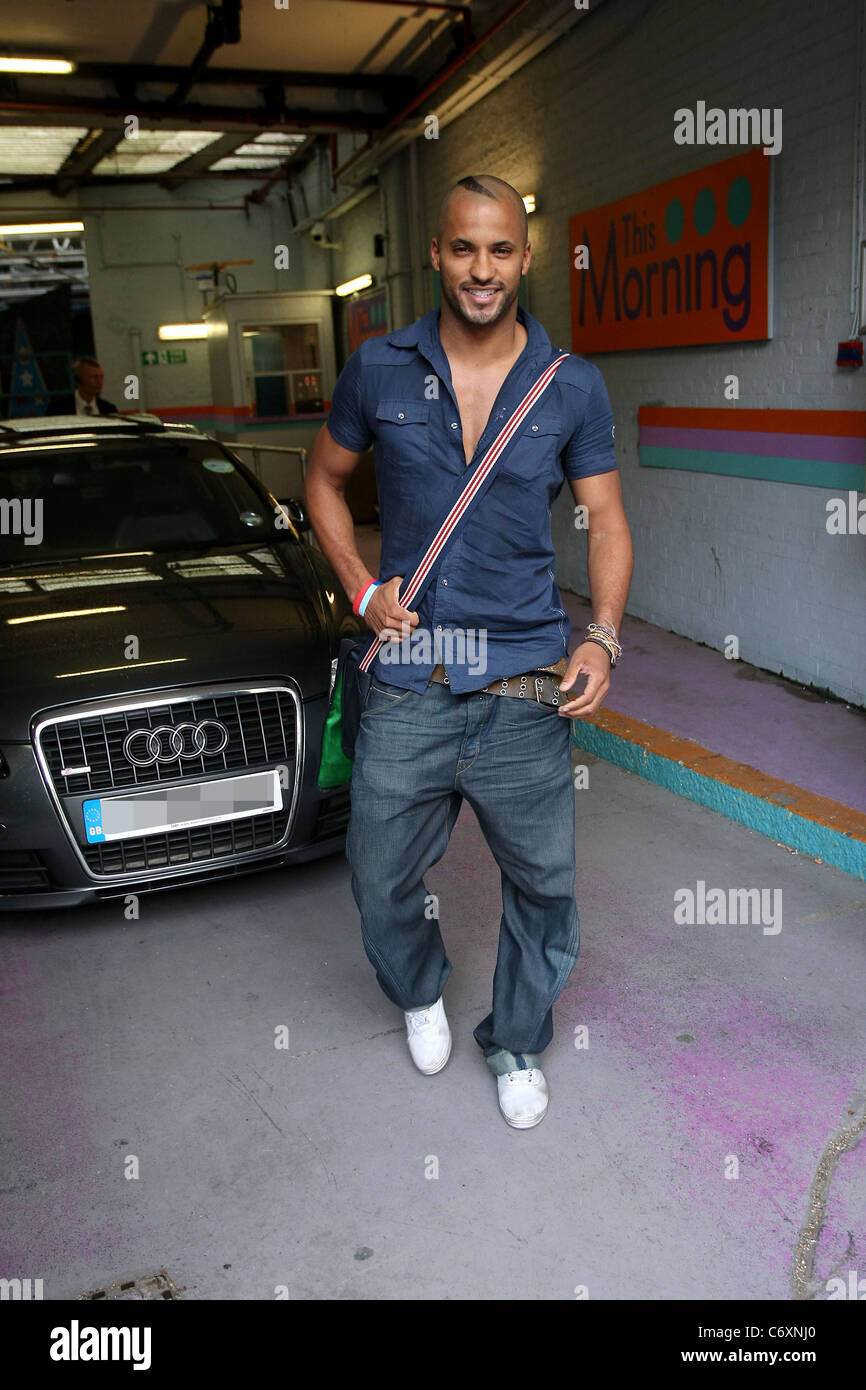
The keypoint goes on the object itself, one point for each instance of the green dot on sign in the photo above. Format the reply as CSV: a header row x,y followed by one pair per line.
x,y
739,201
705,212
675,220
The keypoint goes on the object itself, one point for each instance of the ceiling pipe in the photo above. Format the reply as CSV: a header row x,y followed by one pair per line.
x,y
448,71
223,26
221,116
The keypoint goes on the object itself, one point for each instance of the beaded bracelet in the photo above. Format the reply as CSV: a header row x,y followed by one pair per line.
x,y
604,634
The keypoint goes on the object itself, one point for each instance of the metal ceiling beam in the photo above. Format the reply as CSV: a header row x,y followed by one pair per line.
x,y
87,154
139,74
259,194
295,119
195,164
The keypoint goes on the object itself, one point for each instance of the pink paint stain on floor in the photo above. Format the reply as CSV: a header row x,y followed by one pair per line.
x,y
756,1081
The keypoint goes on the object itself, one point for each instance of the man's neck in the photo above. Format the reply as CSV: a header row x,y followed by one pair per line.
x,y
485,344
88,400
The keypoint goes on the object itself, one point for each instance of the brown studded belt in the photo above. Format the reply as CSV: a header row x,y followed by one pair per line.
x,y
540,684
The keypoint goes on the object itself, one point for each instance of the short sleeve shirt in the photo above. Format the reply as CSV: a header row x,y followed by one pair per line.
x,y
492,607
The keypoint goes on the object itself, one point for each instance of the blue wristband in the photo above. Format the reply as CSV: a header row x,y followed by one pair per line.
x,y
366,599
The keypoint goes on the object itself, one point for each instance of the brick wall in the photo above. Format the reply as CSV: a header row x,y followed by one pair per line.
x,y
591,120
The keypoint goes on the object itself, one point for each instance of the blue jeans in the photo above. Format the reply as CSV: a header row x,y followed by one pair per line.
x,y
416,757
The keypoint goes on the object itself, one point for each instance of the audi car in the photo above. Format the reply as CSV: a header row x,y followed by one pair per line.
x,y
169,642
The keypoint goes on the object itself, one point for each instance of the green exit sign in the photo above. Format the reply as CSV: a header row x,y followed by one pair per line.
x,y
162,357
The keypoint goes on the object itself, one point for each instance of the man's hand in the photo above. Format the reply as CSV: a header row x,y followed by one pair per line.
x,y
589,659
385,614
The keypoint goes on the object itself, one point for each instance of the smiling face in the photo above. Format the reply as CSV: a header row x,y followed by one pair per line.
x,y
481,251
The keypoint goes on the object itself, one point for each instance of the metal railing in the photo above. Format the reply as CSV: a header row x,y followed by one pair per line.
x,y
257,449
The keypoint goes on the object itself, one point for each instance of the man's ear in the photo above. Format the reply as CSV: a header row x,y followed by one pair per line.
x,y
434,252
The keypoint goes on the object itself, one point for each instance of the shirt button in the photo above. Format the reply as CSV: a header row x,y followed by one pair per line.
x,y
453,424
444,581
401,416
535,427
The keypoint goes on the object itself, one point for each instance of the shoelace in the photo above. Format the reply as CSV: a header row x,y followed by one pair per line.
x,y
417,1021
514,1076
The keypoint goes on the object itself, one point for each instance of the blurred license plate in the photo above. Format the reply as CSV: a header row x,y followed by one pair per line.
x,y
178,808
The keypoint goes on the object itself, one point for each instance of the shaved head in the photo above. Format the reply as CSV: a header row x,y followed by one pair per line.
x,y
481,251
483,186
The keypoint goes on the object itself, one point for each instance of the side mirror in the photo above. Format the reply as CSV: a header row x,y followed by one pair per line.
x,y
296,510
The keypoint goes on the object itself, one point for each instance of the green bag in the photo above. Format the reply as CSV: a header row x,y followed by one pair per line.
x,y
335,769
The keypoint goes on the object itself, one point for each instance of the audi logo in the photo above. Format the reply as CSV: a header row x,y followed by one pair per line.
x,y
168,743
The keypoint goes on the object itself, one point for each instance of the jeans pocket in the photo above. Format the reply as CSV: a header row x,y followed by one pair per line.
x,y
383,696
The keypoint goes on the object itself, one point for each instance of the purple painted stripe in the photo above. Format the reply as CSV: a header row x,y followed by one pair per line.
x,y
824,448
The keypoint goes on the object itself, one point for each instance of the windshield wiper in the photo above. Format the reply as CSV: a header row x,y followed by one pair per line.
x,y
43,564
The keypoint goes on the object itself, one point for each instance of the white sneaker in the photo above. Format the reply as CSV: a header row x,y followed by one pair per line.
x,y
523,1097
429,1037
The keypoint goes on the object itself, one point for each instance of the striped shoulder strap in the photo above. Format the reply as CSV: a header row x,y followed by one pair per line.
x,y
476,480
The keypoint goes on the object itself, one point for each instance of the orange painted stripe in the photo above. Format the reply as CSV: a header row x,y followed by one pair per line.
x,y
849,423
833,815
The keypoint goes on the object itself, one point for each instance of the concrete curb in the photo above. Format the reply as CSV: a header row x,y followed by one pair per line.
x,y
824,829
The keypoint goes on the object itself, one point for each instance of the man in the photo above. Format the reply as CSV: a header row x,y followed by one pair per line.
x,y
86,399
434,396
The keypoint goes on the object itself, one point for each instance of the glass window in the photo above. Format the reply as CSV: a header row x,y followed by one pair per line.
x,y
116,496
283,369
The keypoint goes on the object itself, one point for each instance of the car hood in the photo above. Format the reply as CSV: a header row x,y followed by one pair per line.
x,y
173,619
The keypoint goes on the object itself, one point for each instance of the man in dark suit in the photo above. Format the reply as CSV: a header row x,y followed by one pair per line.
x,y
86,399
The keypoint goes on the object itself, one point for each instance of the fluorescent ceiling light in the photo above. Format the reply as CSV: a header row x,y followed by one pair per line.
x,y
40,228
168,332
48,65
360,282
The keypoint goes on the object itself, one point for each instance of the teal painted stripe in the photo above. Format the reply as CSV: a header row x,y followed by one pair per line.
x,y
819,841
811,472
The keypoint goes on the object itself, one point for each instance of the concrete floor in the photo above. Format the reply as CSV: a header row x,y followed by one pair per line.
x,y
305,1167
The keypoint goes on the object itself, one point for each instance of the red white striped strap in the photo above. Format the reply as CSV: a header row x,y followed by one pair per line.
x,y
471,488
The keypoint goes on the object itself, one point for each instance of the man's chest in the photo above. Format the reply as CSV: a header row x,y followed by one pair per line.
x,y
476,395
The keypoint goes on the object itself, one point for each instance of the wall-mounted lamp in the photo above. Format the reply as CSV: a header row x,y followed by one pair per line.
x,y
360,282
170,332
529,202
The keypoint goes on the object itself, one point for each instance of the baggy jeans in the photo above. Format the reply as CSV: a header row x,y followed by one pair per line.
x,y
416,757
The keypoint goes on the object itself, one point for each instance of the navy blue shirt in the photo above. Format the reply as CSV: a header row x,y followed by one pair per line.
x,y
492,607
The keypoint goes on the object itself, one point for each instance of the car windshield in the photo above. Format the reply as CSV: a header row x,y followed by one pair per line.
x,y
59,501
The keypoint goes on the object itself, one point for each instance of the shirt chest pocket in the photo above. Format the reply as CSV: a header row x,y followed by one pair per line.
x,y
403,431
534,454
